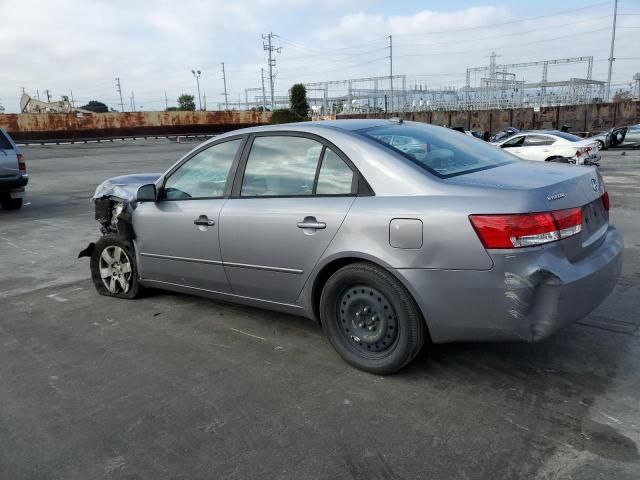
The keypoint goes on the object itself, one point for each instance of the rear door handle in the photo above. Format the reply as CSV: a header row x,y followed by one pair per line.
x,y
311,222
203,220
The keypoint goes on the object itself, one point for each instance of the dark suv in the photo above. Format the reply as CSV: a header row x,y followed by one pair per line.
x,y
13,173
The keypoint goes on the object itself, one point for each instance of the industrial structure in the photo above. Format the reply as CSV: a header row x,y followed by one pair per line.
x,y
499,86
32,105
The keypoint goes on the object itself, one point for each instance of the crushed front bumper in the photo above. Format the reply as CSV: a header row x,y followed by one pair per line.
x,y
527,295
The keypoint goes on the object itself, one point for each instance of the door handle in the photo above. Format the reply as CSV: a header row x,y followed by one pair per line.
x,y
311,222
204,221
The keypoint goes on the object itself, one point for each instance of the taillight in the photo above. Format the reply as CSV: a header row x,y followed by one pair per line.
x,y
605,201
22,166
528,229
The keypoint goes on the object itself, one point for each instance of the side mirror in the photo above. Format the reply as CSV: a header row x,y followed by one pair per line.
x,y
146,193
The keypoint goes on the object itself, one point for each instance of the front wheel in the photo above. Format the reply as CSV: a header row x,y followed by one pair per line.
x,y
370,319
113,268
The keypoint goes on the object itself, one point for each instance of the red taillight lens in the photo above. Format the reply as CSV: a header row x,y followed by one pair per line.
x,y
22,166
605,201
526,230
569,221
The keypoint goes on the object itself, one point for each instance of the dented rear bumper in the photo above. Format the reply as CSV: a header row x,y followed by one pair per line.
x,y
527,295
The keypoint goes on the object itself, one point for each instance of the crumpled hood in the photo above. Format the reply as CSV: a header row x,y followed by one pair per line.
x,y
125,186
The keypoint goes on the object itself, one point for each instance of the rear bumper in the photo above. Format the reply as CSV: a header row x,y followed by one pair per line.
x,y
526,296
13,183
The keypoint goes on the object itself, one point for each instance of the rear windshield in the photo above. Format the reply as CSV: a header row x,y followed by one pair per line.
x,y
567,136
441,151
5,144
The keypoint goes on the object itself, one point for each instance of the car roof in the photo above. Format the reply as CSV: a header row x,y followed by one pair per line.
x,y
348,125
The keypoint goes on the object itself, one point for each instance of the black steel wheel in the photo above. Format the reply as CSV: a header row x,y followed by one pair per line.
x,y
370,318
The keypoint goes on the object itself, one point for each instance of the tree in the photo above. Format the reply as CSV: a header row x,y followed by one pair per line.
x,y
96,107
186,103
298,101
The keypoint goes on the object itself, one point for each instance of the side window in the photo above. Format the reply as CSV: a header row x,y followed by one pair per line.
x,y
513,142
335,178
280,166
204,175
538,140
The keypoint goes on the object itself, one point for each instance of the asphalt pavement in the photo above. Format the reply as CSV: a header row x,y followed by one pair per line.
x,y
174,386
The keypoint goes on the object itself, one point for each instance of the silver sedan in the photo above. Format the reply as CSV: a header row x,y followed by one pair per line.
x,y
388,233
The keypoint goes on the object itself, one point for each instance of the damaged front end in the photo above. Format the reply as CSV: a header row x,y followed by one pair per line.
x,y
114,201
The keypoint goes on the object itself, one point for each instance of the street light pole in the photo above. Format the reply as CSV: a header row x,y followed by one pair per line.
x,y
196,74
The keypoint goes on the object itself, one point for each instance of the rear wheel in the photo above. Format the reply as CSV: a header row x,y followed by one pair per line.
x,y
9,203
601,145
113,268
370,319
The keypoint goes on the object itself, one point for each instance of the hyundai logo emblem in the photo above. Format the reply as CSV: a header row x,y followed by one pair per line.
x,y
594,184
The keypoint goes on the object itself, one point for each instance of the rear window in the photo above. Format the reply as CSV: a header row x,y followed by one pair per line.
x,y
5,144
441,151
568,136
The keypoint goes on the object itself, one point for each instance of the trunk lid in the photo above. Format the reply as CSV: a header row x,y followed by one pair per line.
x,y
560,187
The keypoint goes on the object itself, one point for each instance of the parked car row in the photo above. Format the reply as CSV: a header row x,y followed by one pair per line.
x,y
552,146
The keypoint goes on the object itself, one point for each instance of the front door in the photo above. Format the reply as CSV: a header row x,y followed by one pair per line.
x,y
177,236
514,145
294,196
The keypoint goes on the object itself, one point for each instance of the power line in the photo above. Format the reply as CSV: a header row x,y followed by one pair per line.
x,y
501,47
571,10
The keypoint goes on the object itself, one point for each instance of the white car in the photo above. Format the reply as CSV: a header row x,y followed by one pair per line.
x,y
552,145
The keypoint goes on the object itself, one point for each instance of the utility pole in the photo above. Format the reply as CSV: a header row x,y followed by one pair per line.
x,y
391,69
22,88
38,94
133,102
204,100
264,99
224,81
196,74
166,101
272,61
613,41
73,102
120,93
48,95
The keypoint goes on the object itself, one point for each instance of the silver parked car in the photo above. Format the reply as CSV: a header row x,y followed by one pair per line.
x,y
442,236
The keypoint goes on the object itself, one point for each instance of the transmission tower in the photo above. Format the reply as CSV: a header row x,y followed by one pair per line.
x,y
119,89
270,48
224,80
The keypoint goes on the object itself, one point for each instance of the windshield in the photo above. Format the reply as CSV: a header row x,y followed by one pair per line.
x,y
441,151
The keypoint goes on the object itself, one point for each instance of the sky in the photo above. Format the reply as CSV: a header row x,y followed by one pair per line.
x,y
152,46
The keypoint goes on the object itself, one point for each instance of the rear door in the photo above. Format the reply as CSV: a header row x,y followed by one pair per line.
x,y
290,198
8,157
177,236
538,147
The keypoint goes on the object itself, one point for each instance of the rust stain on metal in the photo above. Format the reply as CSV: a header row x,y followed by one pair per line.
x,y
60,125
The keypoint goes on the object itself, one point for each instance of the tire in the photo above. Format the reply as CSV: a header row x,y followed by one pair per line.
x,y
113,268
601,144
398,332
9,203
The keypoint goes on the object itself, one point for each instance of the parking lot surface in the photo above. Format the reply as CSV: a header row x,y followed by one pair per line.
x,y
173,386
